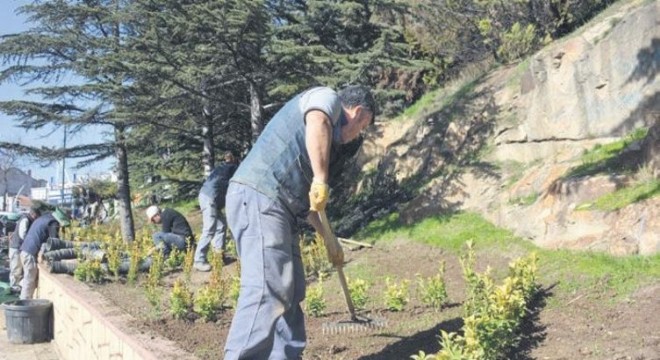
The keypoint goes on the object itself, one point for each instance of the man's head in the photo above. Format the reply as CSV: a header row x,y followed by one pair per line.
x,y
229,157
359,109
153,214
34,212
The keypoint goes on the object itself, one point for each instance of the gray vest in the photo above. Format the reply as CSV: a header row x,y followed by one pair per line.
x,y
278,164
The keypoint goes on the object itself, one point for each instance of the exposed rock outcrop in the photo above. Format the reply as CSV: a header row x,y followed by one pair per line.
x,y
591,88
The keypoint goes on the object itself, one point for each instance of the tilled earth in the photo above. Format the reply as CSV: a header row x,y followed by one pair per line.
x,y
581,325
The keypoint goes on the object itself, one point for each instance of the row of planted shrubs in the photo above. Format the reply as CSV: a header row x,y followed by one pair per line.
x,y
221,290
493,313
431,291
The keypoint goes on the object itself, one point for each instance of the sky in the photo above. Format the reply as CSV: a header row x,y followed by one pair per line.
x,y
10,23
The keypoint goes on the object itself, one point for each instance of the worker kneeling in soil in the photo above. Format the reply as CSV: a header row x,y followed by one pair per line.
x,y
175,229
15,241
44,227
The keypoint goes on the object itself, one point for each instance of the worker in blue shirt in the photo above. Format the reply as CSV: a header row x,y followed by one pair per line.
x,y
44,227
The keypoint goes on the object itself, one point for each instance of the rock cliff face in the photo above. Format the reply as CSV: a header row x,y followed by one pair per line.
x,y
591,88
595,85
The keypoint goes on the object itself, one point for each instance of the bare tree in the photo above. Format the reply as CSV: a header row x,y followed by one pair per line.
x,y
9,160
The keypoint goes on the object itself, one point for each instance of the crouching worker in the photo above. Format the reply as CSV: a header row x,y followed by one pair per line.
x,y
44,227
15,242
175,229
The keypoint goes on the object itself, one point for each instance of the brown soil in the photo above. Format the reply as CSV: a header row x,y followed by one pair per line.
x,y
582,325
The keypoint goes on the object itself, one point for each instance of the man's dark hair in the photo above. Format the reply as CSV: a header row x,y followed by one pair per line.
x,y
358,95
36,211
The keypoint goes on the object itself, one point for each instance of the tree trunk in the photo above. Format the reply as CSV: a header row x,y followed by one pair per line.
x,y
123,190
256,112
208,152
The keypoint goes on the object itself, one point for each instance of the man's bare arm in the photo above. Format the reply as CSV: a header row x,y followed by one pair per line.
x,y
318,138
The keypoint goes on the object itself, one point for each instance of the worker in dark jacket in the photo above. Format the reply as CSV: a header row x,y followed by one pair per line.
x,y
212,201
175,229
44,227
15,241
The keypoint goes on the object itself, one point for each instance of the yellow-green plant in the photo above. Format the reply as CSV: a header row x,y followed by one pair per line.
x,y
314,302
206,302
432,290
396,295
152,288
89,271
216,262
175,259
180,299
134,259
421,355
517,42
156,269
315,257
453,347
234,290
478,285
524,269
154,297
490,328
114,247
188,261
230,247
358,291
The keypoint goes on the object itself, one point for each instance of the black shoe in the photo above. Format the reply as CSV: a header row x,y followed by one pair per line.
x,y
227,259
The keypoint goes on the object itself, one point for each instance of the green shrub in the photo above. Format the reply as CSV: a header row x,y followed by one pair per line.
x,y
516,42
175,259
180,299
206,303
89,271
315,257
433,291
135,257
396,294
358,291
423,356
188,261
234,290
491,325
314,302
114,247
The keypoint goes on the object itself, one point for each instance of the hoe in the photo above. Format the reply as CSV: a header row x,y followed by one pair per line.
x,y
336,255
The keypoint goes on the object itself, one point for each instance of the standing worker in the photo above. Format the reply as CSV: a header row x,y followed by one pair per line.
x,y
44,227
174,232
15,242
212,202
283,177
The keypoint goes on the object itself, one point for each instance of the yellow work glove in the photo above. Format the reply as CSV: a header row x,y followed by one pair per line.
x,y
318,195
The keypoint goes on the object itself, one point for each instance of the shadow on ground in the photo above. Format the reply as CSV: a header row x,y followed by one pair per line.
x,y
426,341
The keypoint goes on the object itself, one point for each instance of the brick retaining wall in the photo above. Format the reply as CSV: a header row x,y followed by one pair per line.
x,y
88,327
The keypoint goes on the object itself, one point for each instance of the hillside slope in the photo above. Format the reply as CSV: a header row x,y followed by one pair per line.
x,y
510,144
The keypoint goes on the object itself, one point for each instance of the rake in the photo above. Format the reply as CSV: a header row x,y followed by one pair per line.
x,y
356,323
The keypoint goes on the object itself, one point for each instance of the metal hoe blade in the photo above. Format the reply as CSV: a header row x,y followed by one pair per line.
x,y
355,325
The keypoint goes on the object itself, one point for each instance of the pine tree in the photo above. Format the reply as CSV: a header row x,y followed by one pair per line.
x,y
83,40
